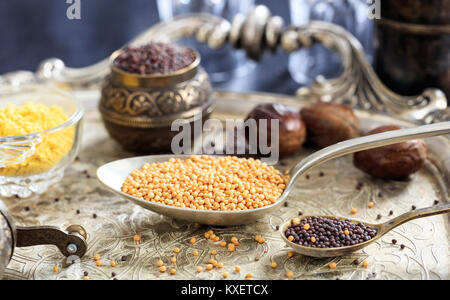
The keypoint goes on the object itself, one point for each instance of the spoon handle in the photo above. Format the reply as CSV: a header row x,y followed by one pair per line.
x,y
365,143
415,214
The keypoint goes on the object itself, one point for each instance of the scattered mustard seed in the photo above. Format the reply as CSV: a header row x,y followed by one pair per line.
x,y
354,211
365,264
332,265
273,265
371,204
173,260
162,269
173,271
209,267
86,278
213,252
237,269
113,264
225,275
289,274
176,250
306,226
223,244
159,263
193,240
220,265
97,256
98,263
195,253
199,269
55,269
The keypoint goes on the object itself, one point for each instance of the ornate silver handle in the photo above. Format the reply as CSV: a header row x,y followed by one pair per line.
x,y
358,86
365,143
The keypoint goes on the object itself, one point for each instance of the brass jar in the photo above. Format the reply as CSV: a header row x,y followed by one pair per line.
x,y
138,110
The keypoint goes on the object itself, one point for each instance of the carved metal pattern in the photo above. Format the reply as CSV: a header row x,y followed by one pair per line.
x,y
426,256
126,105
260,31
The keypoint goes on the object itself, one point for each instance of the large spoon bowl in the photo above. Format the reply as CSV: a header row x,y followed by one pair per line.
x,y
113,175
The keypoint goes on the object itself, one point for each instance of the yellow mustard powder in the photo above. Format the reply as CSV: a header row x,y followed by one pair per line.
x,y
32,118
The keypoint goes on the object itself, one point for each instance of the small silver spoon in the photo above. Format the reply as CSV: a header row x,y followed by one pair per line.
x,y
113,174
382,229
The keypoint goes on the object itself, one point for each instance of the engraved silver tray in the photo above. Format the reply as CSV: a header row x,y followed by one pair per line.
x,y
426,256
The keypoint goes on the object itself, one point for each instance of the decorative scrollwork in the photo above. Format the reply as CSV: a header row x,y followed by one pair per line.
x,y
357,86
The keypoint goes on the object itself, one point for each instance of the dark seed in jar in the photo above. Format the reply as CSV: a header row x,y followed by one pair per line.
x,y
154,58
319,232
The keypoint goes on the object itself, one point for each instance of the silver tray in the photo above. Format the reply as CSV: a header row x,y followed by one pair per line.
x,y
426,256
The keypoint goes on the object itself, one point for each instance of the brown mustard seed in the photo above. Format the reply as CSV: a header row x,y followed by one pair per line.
x,y
208,183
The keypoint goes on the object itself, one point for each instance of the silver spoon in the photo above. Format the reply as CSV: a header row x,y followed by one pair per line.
x,y
113,174
382,229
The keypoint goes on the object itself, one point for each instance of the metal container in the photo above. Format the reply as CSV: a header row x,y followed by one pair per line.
x,y
414,45
71,242
138,110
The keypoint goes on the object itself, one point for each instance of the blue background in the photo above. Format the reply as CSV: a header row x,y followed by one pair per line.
x,y
32,30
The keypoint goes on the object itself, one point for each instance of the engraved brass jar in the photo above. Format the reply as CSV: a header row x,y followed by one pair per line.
x,y
138,110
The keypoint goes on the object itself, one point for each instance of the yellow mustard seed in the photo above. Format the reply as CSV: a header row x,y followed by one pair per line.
x,y
159,263
225,183
354,211
306,226
113,264
332,265
193,240
290,238
313,239
176,250
220,265
248,275
209,267
55,269
290,254
173,271
213,252
289,274
86,278
173,260
225,275
365,264
195,253
231,247
32,118
98,263
237,269
223,244
162,269
273,265
199,269
371,204
97,256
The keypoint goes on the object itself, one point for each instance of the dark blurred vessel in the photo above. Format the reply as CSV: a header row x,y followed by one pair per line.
x,y
413,49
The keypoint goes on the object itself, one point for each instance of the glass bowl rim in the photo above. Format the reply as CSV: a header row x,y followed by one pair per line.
x,y
72,120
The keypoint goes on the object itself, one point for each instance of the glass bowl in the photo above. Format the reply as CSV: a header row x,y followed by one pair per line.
x,y
31,163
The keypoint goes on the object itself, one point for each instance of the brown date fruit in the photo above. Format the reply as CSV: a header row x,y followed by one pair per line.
x,y
292,129
330,123
395,161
